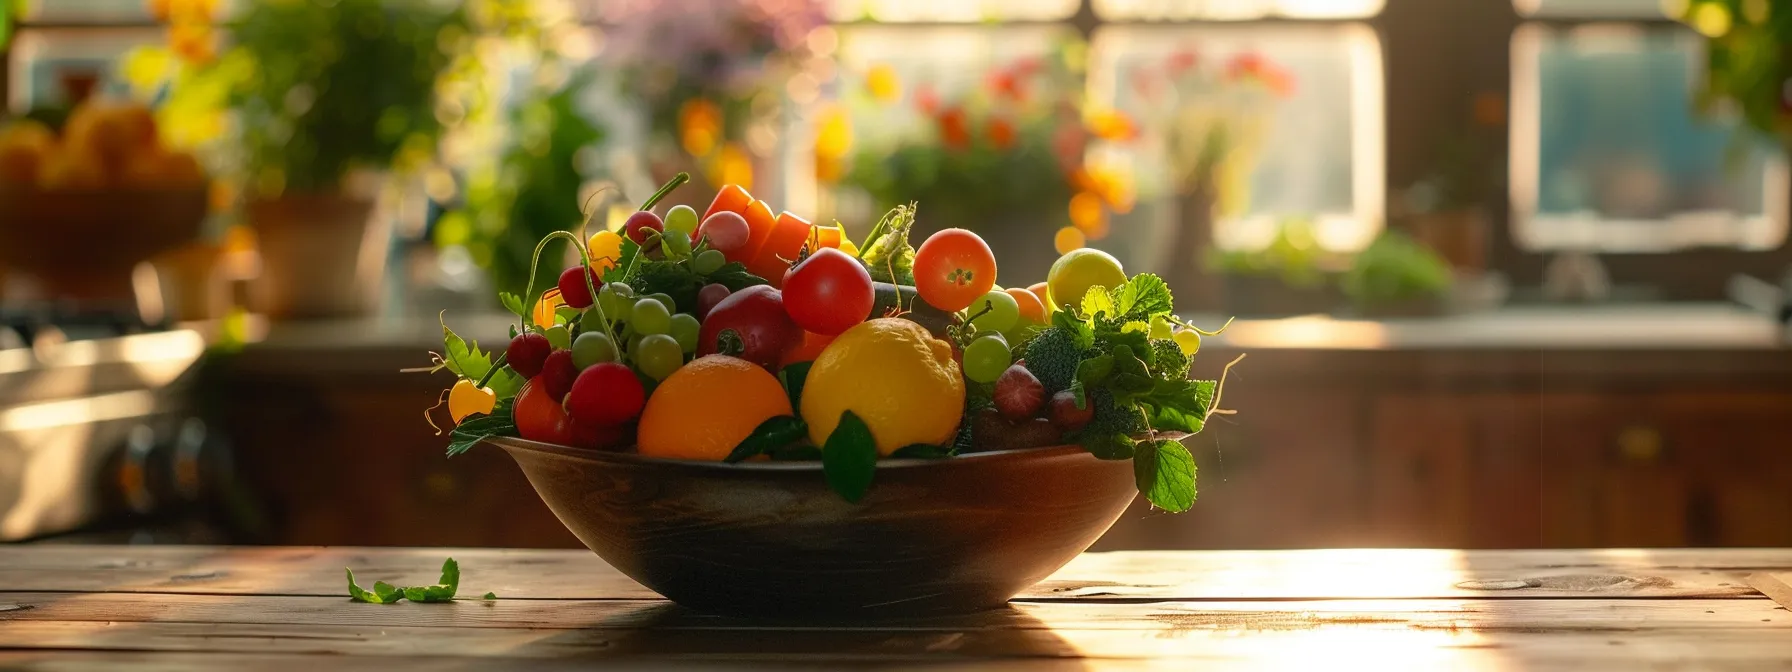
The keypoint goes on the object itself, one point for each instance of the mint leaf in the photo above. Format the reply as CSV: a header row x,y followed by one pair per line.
x,y
1107,445
415,594
450,576
1091,373
1082,335
463,359
1097,303
775,432
1165,472
490,596
1130,376
793,377
625,265
1179,405
1143,297
850,458
921,451
514,304
359,594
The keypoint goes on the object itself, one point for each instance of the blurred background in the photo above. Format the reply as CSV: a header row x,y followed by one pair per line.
x,y
1510,273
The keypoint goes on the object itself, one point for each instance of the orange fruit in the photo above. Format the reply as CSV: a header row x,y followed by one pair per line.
x,y
707,407
25,146
893,375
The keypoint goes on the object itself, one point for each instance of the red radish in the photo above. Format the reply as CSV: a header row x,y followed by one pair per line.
x,y
708,297
1019,394
1066,416
557,374
538,418
750,324
607,394
640,223
573,289
527,353
828,292
727,232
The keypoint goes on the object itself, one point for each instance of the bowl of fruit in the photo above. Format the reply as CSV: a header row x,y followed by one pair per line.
x,y
79,211
753,415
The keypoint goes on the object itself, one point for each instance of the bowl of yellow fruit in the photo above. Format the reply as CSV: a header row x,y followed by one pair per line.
x,y
80,209
755,417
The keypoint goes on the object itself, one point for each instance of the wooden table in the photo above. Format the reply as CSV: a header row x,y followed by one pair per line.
x,y
81,607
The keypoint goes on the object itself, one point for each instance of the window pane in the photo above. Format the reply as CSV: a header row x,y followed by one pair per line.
x,y
965,11
1591,8
1608,152
1314,151
49,66
1232,10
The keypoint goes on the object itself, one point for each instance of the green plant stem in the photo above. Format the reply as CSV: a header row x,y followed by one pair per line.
x,y
674,183
1178,321
584,259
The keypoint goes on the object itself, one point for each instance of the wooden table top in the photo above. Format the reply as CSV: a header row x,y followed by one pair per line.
x,y
264,608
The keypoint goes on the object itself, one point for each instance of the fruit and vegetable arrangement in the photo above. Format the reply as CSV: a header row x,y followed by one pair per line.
x,y
738,334
103,145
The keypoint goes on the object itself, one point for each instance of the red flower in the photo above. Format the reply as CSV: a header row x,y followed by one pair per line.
x,y
953,129
1001,133
1007,84
1247,64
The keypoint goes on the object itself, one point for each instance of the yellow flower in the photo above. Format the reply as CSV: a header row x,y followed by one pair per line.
x,y
1111,125
882,83
833,135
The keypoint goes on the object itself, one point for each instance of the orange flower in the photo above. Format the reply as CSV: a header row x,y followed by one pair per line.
x,y
1247,64
1112,125
734,166
882,83
1107,184
1001,133
1007,84
193,42
953,129
699,126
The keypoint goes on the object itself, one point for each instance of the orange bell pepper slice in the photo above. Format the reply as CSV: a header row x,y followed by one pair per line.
x,y
760,223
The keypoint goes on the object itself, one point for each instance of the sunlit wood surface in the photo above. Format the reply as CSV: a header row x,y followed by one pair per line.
x,y
152,608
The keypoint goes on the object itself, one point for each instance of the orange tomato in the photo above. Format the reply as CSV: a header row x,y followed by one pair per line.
x,y
1031,308
953,268
1038,290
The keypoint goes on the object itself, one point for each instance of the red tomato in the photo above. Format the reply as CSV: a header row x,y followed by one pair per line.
x,y
828,292
538,417
750,324
1031,309
953,268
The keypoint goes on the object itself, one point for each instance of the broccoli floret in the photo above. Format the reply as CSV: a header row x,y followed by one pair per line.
x,y
1052,356
1111,417
1167,359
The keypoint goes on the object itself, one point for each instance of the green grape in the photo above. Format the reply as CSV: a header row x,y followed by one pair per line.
x,y
681,218
658,356
1190,340
651,317
1160,328
634,348
986,358
592,320
591,348
558,336
1003,312
664,298
677,244
991,334
708,261
684,330
616,300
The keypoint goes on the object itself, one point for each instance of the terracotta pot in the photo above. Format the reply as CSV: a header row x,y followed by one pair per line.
x,y
1459,236
82,245
322,255
771,539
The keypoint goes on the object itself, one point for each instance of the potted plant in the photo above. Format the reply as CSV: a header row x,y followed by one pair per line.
x,y
1004,159
1289,276
311,105
1209,117
1397,276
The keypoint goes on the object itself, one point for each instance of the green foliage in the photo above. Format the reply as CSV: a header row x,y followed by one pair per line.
x,y
1746,61
1168,360
1165,472
677,280
473,430
1396,268
385,593
1293,256
332,86
774,433
850,458
887,252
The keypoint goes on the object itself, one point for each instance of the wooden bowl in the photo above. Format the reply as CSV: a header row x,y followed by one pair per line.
x,y
83,244
769,539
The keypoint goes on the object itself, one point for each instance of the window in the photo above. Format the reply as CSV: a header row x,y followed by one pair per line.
x,y
1224,10
48,66
1599,9
1609,154
954,11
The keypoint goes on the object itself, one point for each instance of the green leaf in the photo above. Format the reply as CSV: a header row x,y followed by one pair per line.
x,y
450,576
1179,405
1143,297
625,265
775,432
850,458
1097,303
388,593
734,276
463,359
474,430
559,337
567,315
921,451
1107,445
1091,373
415,594
491,596
1135,326
505,383
1082,334
359,594
1165,472
514,304
794,377
436,593
1130,376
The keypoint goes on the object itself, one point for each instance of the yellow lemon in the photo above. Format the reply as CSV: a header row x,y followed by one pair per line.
x,y
1074,273
893,375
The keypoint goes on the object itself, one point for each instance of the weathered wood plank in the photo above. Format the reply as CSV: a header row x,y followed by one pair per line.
x,y
1325,647
1775,585
570,574
1559,615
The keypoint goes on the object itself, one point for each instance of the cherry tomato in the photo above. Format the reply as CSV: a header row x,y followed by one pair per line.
x,y
828,292
538,417
953,268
